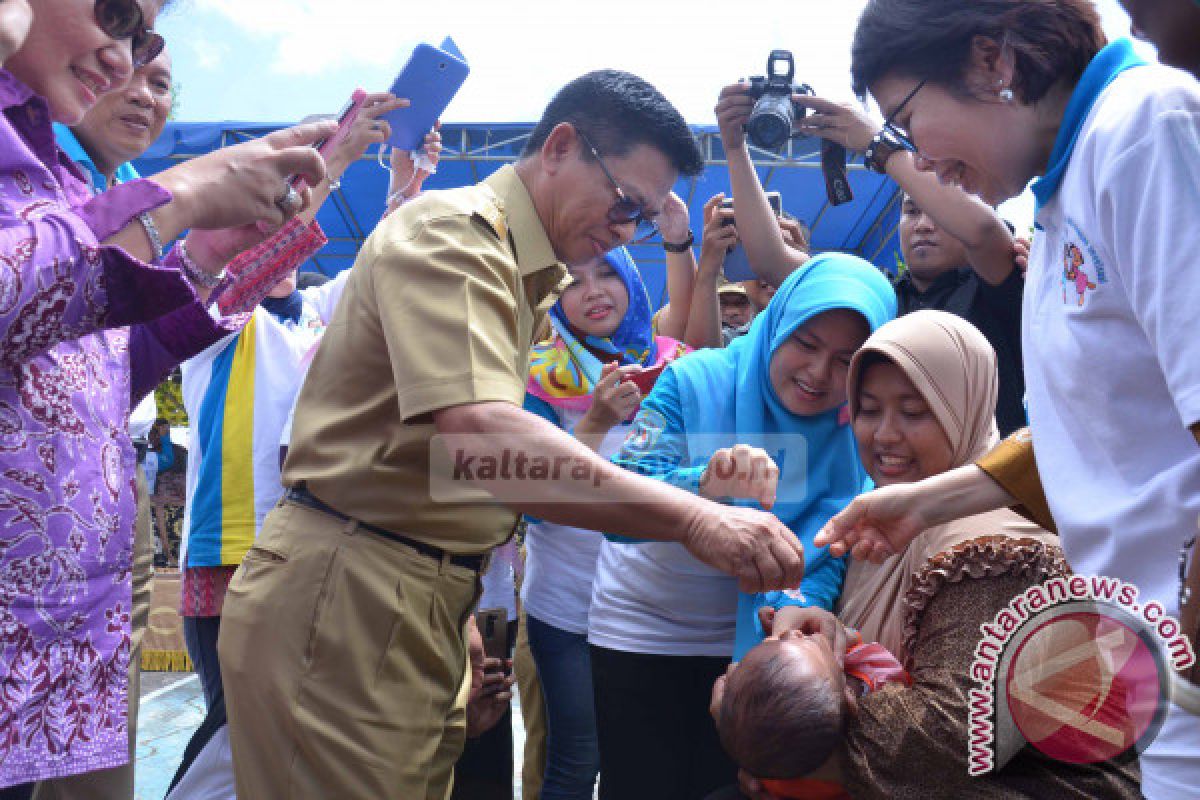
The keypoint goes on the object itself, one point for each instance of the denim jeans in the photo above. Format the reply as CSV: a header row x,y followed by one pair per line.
x,y
572,752
200,636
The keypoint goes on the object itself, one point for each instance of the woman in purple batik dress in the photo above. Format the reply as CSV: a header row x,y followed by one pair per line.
x,y
87,328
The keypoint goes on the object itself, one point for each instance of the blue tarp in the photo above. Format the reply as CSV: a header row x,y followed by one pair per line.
x,y
866,226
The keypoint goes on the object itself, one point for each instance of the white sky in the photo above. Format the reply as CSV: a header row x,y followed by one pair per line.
x,y
284,59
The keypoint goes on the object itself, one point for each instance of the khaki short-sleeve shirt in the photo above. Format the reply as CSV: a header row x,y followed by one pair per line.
x,y
440,310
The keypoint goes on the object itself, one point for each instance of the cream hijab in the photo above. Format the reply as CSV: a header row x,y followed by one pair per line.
x,y
953,366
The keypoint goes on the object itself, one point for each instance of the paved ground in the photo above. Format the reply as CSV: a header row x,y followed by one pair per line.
x,y
173,707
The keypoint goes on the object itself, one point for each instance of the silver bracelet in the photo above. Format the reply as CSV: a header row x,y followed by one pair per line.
x,y
151,234
193,273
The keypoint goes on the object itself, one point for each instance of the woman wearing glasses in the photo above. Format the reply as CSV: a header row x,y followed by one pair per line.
x,y
87,328
1001,92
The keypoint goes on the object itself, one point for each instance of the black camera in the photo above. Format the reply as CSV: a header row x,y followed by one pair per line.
x,y
775,114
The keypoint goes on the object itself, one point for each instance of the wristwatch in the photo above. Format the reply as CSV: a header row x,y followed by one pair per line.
x,y
881,148
682,247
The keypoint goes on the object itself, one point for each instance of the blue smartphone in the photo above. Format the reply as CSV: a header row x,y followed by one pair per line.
x,y
430,79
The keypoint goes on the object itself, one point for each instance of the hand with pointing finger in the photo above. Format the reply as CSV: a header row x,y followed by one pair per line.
x,y
244,183
878,524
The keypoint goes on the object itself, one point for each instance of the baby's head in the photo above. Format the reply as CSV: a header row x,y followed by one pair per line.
x,y
782,710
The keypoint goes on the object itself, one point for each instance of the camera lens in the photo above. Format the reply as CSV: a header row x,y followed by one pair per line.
x,y
770,123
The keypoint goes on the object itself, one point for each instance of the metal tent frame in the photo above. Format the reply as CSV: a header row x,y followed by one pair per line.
x,y
472,151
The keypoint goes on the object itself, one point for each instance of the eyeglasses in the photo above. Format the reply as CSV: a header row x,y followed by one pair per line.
x,y
123,19
625,210
890,125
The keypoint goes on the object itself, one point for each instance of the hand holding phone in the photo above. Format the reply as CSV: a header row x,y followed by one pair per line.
x,y
429,80
345,120
360,125
491,675
645,379
737,265
493,629
774,200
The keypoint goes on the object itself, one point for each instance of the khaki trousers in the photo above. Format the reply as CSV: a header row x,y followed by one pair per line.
x,y
344,661
116,783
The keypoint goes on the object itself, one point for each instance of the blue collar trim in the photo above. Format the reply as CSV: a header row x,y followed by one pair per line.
x,y
69,144
1105,67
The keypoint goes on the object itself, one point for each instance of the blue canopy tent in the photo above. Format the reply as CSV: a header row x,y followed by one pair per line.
x,y
866,226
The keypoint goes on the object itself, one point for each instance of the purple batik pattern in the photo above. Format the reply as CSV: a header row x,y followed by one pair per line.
x,y
85,330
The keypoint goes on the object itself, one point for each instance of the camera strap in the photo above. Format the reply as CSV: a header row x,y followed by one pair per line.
x,y
833,167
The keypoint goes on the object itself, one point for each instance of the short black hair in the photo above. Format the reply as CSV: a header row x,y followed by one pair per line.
x,y
931,40
778,723
307,280
617,111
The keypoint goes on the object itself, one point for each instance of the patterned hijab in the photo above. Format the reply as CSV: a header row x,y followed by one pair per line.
x,y
564,370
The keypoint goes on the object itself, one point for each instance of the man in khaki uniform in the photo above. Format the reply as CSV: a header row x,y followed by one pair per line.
x,y
342,646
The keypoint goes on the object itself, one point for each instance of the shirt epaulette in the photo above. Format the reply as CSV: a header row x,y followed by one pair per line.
x,y
491,213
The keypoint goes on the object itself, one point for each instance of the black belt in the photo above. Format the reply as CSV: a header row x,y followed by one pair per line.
x,y
302,496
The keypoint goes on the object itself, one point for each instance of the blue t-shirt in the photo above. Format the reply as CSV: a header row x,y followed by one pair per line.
x,y
74,150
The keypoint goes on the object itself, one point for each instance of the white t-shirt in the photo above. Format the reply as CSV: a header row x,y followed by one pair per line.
x,y
249,433
141,418
1112,356
499,582
656,598
560,561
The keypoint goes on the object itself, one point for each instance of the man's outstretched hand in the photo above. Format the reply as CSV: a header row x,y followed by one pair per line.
x,y
752,546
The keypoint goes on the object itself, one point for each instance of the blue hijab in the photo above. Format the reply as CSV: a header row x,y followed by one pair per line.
x,y
728,392
632,342
727,398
